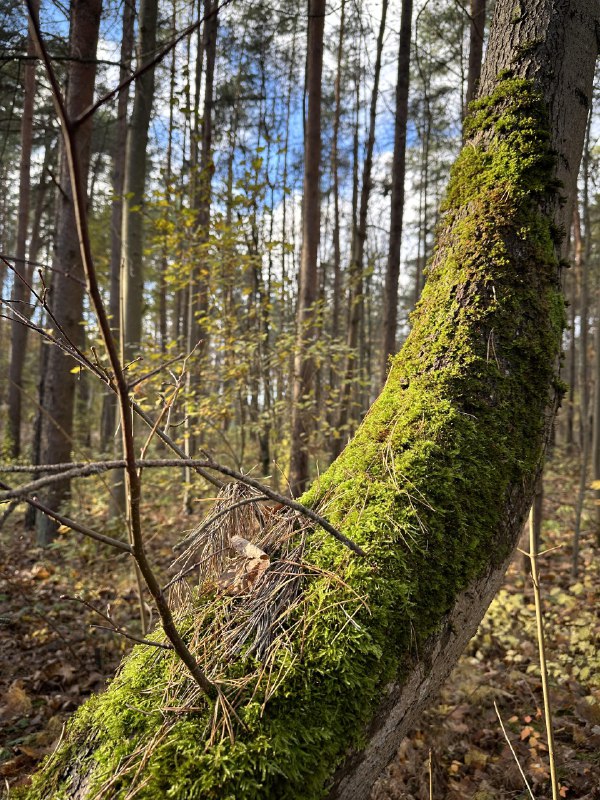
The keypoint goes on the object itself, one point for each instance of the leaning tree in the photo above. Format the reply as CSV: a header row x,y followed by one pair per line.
x,y
316,658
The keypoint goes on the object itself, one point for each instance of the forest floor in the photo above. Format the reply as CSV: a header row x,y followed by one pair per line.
x,y
52,659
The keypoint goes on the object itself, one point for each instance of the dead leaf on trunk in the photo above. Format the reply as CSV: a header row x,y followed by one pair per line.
x,y
246,570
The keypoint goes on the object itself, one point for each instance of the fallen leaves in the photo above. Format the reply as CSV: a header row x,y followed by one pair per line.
x,y
15,702
246,569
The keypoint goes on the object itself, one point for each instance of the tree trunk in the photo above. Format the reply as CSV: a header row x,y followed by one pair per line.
x,y
477,29
109,403
18,338
335,169
132,236
67,285
390,293
359,236
596,414
582,264
197,328
201,200
573,297
304,367
435,485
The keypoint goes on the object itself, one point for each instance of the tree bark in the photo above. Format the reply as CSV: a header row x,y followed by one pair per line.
x,y
132,235
109,404
476,33
67,285
435,485
359,236
304,367
392,274
18,338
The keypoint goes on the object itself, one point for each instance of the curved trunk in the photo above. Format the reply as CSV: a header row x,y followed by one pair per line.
x,y
434,486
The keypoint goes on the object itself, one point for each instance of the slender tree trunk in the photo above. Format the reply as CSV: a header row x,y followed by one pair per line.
x,y
423,253
34,248
359,236
335,168
392,274
304,367
572,359
67,283
197,328
109,403
582,259
596,412
132,234
435,485
477,30
201,202
20,297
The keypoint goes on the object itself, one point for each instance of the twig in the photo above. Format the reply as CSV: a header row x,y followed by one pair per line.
x,y
78,471
7,512
245,501
287,501
430,769
113,625
542,653
70,523
147,66
155,371
69,130
512,750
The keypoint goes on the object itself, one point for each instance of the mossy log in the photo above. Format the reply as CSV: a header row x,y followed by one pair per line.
x,y
434,486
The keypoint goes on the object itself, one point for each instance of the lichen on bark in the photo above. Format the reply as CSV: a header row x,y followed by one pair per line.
x,y
422,487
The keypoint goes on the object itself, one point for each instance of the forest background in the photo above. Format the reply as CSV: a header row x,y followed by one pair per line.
x,y
198,227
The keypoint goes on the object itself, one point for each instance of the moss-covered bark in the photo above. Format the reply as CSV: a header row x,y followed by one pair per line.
x,y
433,487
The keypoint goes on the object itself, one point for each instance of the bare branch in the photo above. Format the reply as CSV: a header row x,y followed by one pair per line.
x,y
113,625
287,501
148,65
78,470
69,523
69,130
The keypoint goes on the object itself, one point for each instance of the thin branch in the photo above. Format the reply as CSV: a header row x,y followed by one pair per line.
x,y
76,470
150,64
539,619
113,625
512,750
184,458
69,130
155,371
287,501
69,523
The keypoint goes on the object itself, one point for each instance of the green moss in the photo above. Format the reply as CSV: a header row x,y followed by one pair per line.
x,y
422,487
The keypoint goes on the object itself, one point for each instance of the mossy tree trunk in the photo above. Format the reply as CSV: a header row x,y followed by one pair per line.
x,y
435,485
